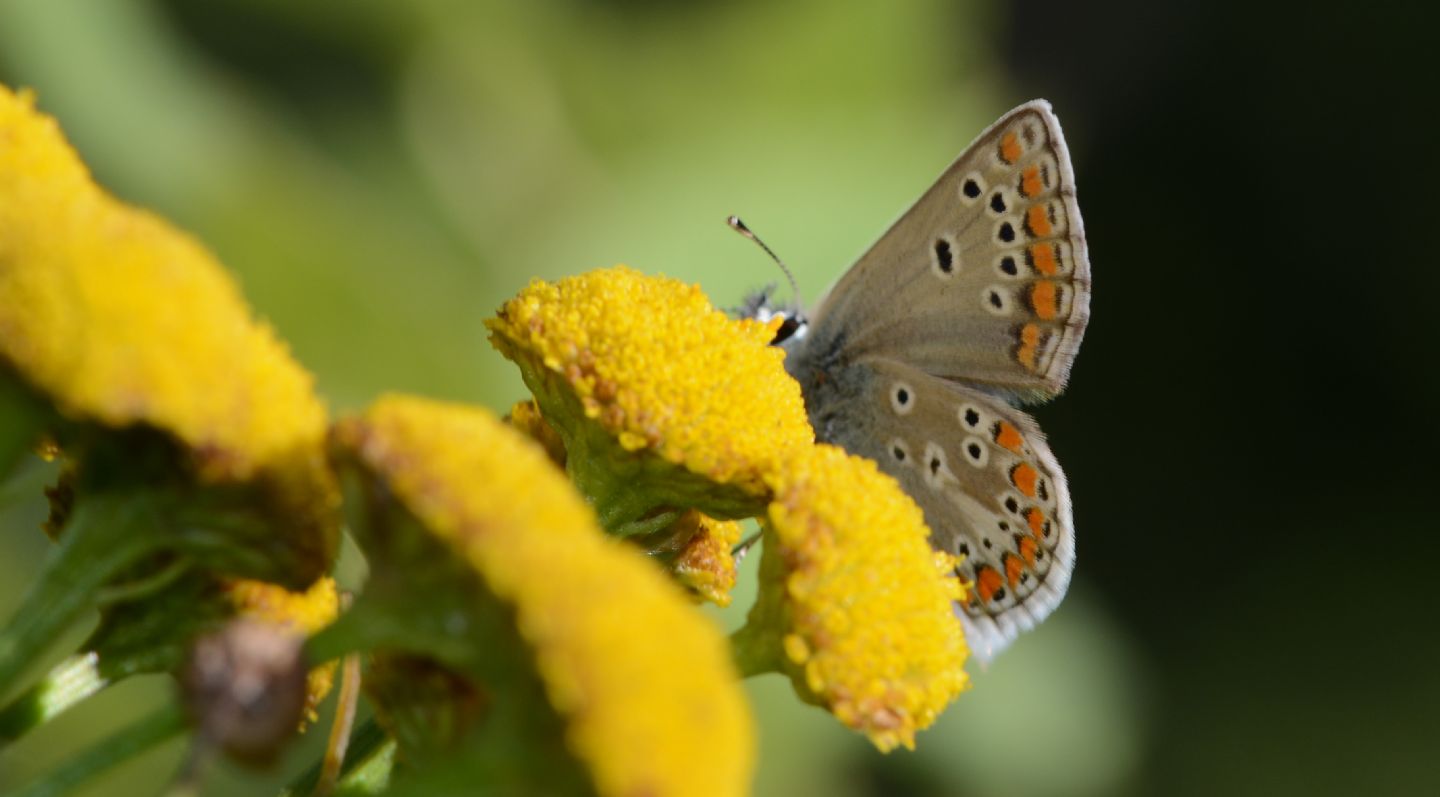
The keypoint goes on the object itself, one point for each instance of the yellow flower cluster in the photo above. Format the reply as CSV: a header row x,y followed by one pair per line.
x,y
302,613
643,683
661,369
854,605
120,319
866,611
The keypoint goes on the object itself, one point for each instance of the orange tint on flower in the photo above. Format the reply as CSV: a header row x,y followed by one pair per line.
x,y
705,565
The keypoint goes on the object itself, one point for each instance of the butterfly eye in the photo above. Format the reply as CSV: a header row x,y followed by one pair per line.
x,y
902,398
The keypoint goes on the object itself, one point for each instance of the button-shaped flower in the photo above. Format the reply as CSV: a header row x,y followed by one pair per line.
x,y
516,645
854,606
663,402
192,433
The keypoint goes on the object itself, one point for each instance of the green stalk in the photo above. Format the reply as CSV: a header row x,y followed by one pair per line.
x,y
68,683
118,748
755,650
104,535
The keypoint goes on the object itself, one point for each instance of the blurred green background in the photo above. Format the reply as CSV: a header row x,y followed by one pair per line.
x,y
1249,432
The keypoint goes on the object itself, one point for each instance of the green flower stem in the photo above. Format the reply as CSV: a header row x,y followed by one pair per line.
x,y
122,746
104,535
756,650
610,479
758,647
68,683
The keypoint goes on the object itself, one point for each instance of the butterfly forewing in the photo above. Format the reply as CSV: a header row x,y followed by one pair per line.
x,y
986,278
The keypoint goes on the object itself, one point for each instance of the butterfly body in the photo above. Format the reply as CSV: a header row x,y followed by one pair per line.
x,y
974,301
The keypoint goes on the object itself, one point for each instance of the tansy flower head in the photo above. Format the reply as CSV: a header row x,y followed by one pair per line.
x,y
530,592
194,438
119,320
855,607
662,401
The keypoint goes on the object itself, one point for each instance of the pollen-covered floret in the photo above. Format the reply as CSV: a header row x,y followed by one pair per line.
x,y
705,564
859,605
660,369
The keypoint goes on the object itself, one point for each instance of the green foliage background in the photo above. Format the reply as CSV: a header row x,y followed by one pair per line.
x,y
381,175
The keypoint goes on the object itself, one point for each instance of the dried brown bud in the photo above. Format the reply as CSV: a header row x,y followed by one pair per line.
x,y
245,689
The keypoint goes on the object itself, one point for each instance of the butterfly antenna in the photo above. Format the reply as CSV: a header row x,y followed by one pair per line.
x,y
739,226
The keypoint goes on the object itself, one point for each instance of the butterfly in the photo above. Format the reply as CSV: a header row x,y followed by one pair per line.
x,y
973,303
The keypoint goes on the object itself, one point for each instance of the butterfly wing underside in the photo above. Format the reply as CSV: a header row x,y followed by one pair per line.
x,y
986,279
974,300
982,472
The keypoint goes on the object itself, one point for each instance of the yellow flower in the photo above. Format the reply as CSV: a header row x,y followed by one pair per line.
x,y
642,685
705,564
121,320
855,607
194,437
664,402
302,613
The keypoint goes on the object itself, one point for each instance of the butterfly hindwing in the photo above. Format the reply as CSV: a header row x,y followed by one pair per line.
x,y
985,478
986,279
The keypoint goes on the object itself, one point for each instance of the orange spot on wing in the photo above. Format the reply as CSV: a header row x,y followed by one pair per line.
x,y
1042,300
1008,436
1037,220
1024,478
1014,568
1036,519
1029,343
1042,257
1009,148
1028,547
1030,183
988,582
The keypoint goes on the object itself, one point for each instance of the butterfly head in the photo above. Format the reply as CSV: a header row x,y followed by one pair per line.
x,y
760,305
